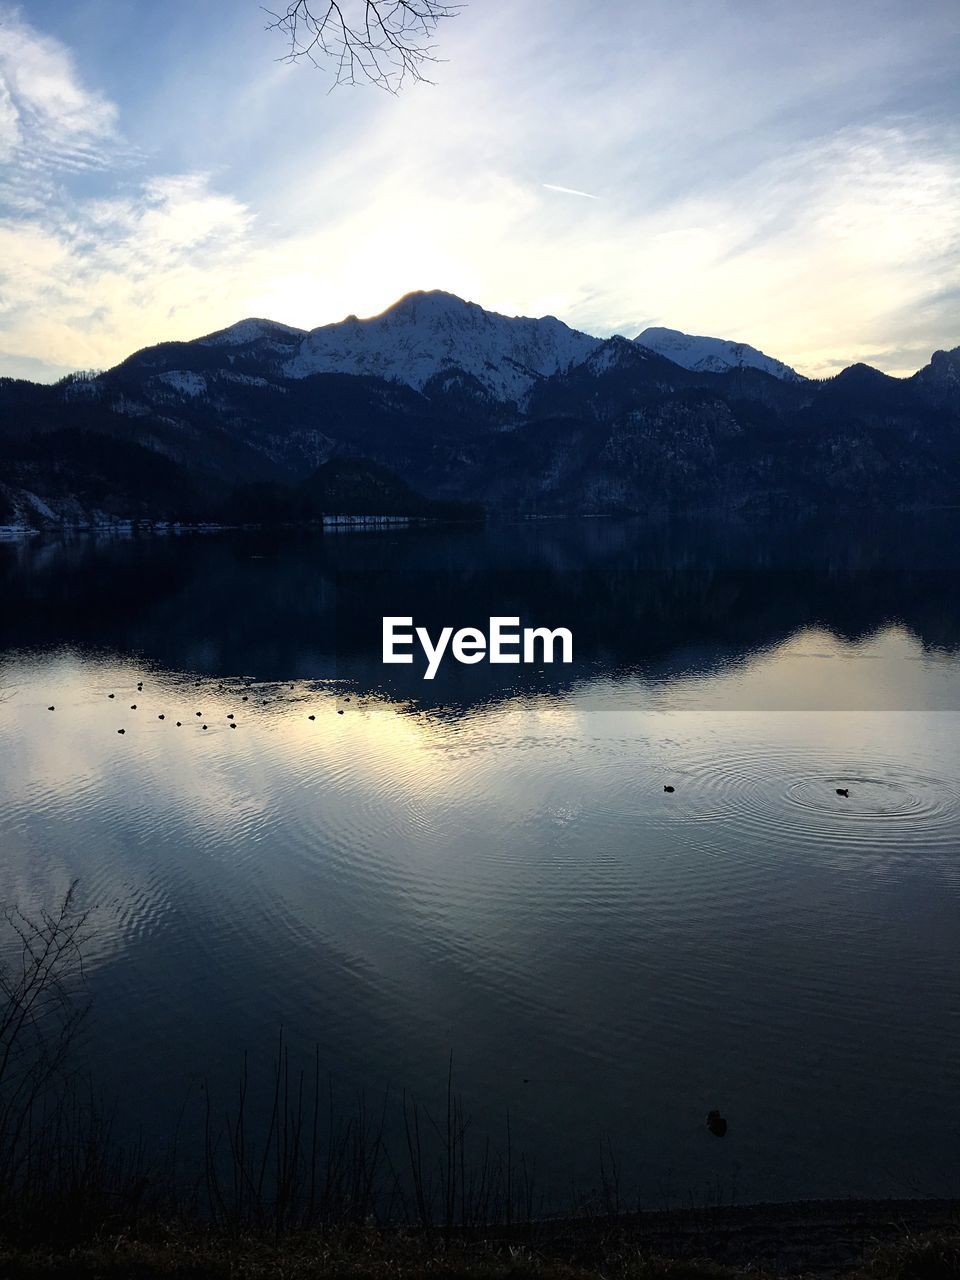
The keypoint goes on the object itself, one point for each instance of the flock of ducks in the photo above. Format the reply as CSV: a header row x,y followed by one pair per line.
x,y
199,714
843,792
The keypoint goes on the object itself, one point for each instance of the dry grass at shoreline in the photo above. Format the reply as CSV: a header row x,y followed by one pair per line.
x,y
619,1254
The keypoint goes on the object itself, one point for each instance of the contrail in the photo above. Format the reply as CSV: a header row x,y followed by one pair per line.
x,y
569,191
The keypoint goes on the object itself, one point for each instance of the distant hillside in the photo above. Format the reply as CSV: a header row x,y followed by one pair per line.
x,y
356,487
341,487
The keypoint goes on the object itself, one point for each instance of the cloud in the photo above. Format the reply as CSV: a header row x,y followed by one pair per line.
x,y
31,368
48,118
53,129
86,276
108,275
856,235
568,191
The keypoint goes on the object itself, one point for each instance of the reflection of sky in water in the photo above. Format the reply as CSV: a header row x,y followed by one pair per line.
x,y
507,878
816,670
514,883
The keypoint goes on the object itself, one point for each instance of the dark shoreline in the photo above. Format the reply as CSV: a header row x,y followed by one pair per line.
x,y
794,1237
873,1239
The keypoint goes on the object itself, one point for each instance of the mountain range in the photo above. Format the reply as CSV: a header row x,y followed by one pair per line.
x,y
438,401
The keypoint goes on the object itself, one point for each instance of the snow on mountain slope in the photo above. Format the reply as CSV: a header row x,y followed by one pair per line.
x,y
712,355
190,384
616,353
429,335
244,333
426,333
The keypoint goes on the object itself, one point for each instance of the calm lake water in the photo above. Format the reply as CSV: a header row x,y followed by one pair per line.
x,y
489,864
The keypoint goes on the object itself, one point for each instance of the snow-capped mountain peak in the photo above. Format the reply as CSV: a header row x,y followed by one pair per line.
x,y
254,330
427,333
712,355
428,338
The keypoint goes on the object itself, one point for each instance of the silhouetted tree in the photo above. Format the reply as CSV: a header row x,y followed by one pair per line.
x,y
383,42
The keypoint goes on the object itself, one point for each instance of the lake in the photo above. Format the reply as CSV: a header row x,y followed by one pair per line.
x,y
488,864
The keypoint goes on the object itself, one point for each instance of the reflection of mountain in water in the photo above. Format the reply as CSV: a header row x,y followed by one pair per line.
x,y
661,600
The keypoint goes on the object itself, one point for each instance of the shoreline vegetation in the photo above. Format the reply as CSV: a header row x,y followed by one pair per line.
x,y
287,1184
863,1240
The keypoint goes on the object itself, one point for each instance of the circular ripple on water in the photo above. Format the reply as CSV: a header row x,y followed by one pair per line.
x,y
787,800
869,797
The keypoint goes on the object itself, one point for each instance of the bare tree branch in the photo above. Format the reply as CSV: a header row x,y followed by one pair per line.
x,y
40,1018
382,42
39,1015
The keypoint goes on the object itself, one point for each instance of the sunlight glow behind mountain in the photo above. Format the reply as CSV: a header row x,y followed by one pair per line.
x,y
789,179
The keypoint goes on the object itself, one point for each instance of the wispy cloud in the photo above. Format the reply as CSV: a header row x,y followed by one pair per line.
x,y
569,191
86,276
109,275
48,119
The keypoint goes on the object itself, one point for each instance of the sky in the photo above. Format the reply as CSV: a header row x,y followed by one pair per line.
x,y
780,174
